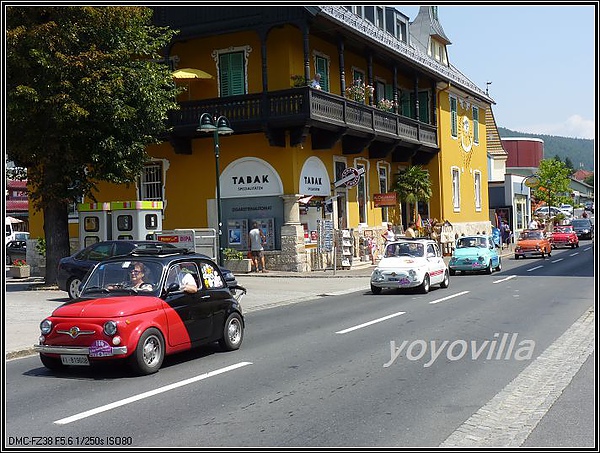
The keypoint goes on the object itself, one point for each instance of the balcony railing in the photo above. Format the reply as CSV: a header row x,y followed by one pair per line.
x,y
299,106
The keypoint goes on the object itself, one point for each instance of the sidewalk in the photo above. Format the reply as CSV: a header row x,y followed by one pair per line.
x,y
29,301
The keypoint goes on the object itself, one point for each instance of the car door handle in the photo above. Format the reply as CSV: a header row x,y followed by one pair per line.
x,y
205,297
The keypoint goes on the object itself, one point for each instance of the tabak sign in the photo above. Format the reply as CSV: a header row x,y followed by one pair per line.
x,y
384,199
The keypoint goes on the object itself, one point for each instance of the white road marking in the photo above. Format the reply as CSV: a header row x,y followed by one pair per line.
x,y
574,254
556,261
375,321
534,268
510,277
449,297
131,399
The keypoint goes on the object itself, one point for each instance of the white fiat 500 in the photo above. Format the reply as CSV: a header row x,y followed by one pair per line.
x,y
410,263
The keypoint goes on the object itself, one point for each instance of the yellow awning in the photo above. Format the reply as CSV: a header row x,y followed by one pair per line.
x,y
190,73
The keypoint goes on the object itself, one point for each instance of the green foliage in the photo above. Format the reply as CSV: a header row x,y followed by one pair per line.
x,y
589,180
85,96
40,246
555,186
413,185
232,254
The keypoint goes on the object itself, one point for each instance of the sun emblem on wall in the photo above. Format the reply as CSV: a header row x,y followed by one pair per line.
x,y
466,134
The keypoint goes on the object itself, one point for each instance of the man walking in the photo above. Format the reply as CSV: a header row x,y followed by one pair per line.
x,y
257,239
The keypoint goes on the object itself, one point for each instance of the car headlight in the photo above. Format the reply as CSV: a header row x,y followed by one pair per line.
x,y
480,259
376,275
412,273
46,326
110,328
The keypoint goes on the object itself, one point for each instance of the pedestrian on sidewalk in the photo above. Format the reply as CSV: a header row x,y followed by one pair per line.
x,y
257,239
388,235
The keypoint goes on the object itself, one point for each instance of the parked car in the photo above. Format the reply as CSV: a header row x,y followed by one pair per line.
x,y
589,206
567,208
583,228
16,250
410,263
475,254
72,269
564,236
554,211
112,319
532,243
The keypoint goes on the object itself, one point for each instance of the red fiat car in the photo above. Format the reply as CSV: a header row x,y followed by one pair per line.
x,y
140,308
564,236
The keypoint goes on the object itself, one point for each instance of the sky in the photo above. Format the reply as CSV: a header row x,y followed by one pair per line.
x,y
540,58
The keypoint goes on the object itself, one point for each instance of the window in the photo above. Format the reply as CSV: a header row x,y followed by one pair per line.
x,y
383,188
379,17
231,74
322,67
453,117
401,30
477,176
73,213
211,278
151,182
456,189
357,74
361,194
379,91
476,125
423,106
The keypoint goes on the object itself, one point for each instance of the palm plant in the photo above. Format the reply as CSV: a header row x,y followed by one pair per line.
x,y
413,185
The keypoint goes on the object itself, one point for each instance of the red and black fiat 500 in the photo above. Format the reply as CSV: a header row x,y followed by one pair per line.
x,y
141,307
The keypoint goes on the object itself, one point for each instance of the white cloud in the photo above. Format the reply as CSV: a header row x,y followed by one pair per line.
x,y
575,126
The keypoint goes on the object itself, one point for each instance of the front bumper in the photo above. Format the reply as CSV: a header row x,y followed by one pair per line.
x,y
395,279
77,350
466,264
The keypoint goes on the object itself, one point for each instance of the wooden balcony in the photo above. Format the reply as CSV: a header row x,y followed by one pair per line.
x,y
326,117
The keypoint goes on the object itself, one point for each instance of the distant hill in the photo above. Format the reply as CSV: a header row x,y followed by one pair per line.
x,y
579,150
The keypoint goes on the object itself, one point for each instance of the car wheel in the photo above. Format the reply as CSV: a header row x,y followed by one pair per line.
x,y
516,257
549,253
446,281
73,288
425,285
233,333
149,353
52,363
452,272
489,269
375,290
499,267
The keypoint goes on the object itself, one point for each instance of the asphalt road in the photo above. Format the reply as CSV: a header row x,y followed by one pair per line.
x,y
314,373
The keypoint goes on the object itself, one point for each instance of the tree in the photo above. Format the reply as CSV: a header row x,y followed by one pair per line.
x,y
554,184
413,185
86,94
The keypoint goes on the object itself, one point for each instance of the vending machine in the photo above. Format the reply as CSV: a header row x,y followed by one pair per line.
x,y
94,223
237,234
137,220
267,226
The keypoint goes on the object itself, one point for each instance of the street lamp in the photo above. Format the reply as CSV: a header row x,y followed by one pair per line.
x,y
218,126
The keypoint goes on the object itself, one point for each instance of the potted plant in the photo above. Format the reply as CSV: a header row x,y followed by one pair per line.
x,y
386,105
358,91
19,269
299,81
235,261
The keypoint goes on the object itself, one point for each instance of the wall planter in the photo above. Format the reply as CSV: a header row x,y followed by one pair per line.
x,y
238,266
19,271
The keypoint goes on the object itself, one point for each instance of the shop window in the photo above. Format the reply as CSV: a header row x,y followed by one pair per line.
x,y
456,189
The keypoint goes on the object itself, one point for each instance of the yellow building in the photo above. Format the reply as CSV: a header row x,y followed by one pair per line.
x,y
293,144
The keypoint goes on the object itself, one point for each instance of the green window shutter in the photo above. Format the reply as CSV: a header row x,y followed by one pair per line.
x,y
322,69
406,104
453,117
476,124
231,74
424,107
389,93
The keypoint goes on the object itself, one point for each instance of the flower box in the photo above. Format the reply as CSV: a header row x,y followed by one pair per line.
x,y
238,266
19,271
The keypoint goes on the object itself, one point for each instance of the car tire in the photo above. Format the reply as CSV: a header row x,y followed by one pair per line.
x,y
149,353
516,257
549,253
424,288
446,281
73,288
489,269
233,333
499,267
375,290
52,363
452,272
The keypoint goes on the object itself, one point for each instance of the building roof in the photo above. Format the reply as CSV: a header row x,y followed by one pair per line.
x,y
580,175
17,205
494,143
426,25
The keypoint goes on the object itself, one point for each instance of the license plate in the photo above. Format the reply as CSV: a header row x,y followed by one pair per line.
x,y
81,360
404,281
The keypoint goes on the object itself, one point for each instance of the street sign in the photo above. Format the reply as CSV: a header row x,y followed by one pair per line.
x,y
350,177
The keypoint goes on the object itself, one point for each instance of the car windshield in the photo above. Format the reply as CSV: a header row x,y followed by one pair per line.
x,y
563,229
470,242
404,249
582,223
529,235
126,276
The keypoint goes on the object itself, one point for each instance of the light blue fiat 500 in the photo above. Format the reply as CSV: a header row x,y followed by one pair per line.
x,y
475,254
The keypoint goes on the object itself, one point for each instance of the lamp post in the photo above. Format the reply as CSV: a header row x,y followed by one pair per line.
x,y
218,126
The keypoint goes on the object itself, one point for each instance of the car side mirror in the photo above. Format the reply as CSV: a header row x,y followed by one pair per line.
x,y
173,287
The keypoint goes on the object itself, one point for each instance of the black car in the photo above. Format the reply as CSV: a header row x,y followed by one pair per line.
x,y
15,250
139,308
72,269
583,228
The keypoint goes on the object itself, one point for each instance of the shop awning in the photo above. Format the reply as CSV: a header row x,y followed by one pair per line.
x,y
305,199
